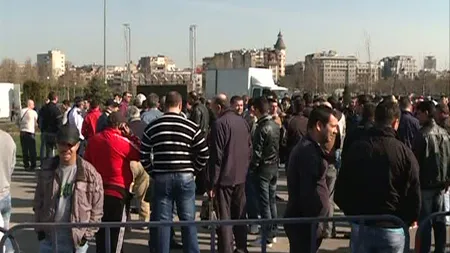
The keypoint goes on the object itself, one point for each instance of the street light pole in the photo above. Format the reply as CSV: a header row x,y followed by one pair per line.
x,y
104,42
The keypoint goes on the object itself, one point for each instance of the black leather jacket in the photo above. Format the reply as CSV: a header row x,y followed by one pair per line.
x,y
432,150
200,115
266,143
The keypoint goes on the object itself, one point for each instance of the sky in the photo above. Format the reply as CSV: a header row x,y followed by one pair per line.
x,y
406,27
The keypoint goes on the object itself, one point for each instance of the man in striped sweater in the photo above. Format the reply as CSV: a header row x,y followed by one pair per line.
x,y
173,150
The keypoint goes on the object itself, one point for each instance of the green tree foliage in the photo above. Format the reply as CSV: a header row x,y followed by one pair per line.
x,y
97,89
33,90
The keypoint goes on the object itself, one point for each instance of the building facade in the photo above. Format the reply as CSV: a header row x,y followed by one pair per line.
x,y
272,58
400,66
51,64
429,63
327,71
156,64
367,73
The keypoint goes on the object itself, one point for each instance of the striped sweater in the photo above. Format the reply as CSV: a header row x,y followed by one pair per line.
x,y
173,143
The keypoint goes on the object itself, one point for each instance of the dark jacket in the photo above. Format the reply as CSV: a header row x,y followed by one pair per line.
x,y
138,126
296,128
379,176
307,188
230,150
102,121
408,128
432,150
200,115
356,135
266,143
51,120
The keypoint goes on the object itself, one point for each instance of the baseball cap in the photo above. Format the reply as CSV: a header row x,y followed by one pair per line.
x,y
111,102
68,134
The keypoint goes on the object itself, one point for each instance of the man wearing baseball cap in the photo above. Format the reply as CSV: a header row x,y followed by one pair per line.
x,y
75,188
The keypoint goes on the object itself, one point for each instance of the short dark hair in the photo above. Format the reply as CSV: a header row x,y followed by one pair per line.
x,y
77,101
234,99
115,119
125,93
66,102
173,99
202,100
363,99
116,95
427,106
386,112
333,101
308,98
319,100
404,103
298,104
51,96
369,111
320,114
94,103
152,100
193,96
261,104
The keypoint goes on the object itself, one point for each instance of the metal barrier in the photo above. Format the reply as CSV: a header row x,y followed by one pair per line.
x,y
422,224
213,224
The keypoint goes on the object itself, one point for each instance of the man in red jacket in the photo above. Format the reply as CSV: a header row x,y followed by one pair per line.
x,y
111,152
90,121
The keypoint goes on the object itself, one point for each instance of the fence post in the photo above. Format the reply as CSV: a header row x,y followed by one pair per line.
x,y
313,243
107,239
55,240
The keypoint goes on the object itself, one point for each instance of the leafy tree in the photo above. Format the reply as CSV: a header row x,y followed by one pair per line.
x,y
33,90
347,97
97,89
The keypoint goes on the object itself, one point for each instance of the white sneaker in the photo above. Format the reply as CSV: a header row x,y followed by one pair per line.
x,y
258,243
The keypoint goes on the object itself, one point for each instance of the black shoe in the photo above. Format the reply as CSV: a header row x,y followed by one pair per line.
x,y
175,245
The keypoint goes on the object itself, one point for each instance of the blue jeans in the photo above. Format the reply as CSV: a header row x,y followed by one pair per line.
x,y
433,201
65,245
170,188
252,198
266,186
375,239
5,209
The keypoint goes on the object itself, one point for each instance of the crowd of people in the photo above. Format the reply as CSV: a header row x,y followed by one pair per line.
x,y
372,156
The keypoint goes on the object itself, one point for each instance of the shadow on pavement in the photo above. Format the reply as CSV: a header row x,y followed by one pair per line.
x,y
20,203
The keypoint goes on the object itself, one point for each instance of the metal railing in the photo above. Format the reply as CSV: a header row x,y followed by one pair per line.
x,y
212,224
424,223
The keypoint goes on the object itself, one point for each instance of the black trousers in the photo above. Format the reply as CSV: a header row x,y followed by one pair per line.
x,y
230,204
299,237
113,210
28,143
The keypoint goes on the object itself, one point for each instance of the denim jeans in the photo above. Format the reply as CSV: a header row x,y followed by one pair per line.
x,y
28,144
49,142
376,239
5,209
433,201
252,198
167,189
266,186
65,245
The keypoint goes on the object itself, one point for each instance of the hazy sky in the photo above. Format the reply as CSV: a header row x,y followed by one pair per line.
x,y
410,27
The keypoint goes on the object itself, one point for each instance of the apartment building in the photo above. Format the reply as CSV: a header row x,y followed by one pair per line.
x,y
156,63
367,72
51,64
429,63
327,71
400,66
272,58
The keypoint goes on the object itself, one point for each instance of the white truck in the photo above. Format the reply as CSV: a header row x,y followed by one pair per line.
x,y
9,99
253,82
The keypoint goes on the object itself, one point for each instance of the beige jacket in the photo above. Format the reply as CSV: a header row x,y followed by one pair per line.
x,y
87,200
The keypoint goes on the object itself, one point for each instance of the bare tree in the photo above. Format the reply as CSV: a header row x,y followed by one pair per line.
x,y
29,71
312,78
9,71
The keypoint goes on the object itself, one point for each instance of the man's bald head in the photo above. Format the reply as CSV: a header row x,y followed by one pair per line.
x,y
30,104
220,103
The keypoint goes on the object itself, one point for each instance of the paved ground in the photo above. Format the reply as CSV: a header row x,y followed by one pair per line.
x,y
22,194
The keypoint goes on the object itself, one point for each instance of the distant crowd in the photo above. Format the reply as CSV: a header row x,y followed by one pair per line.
x,y
153,155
